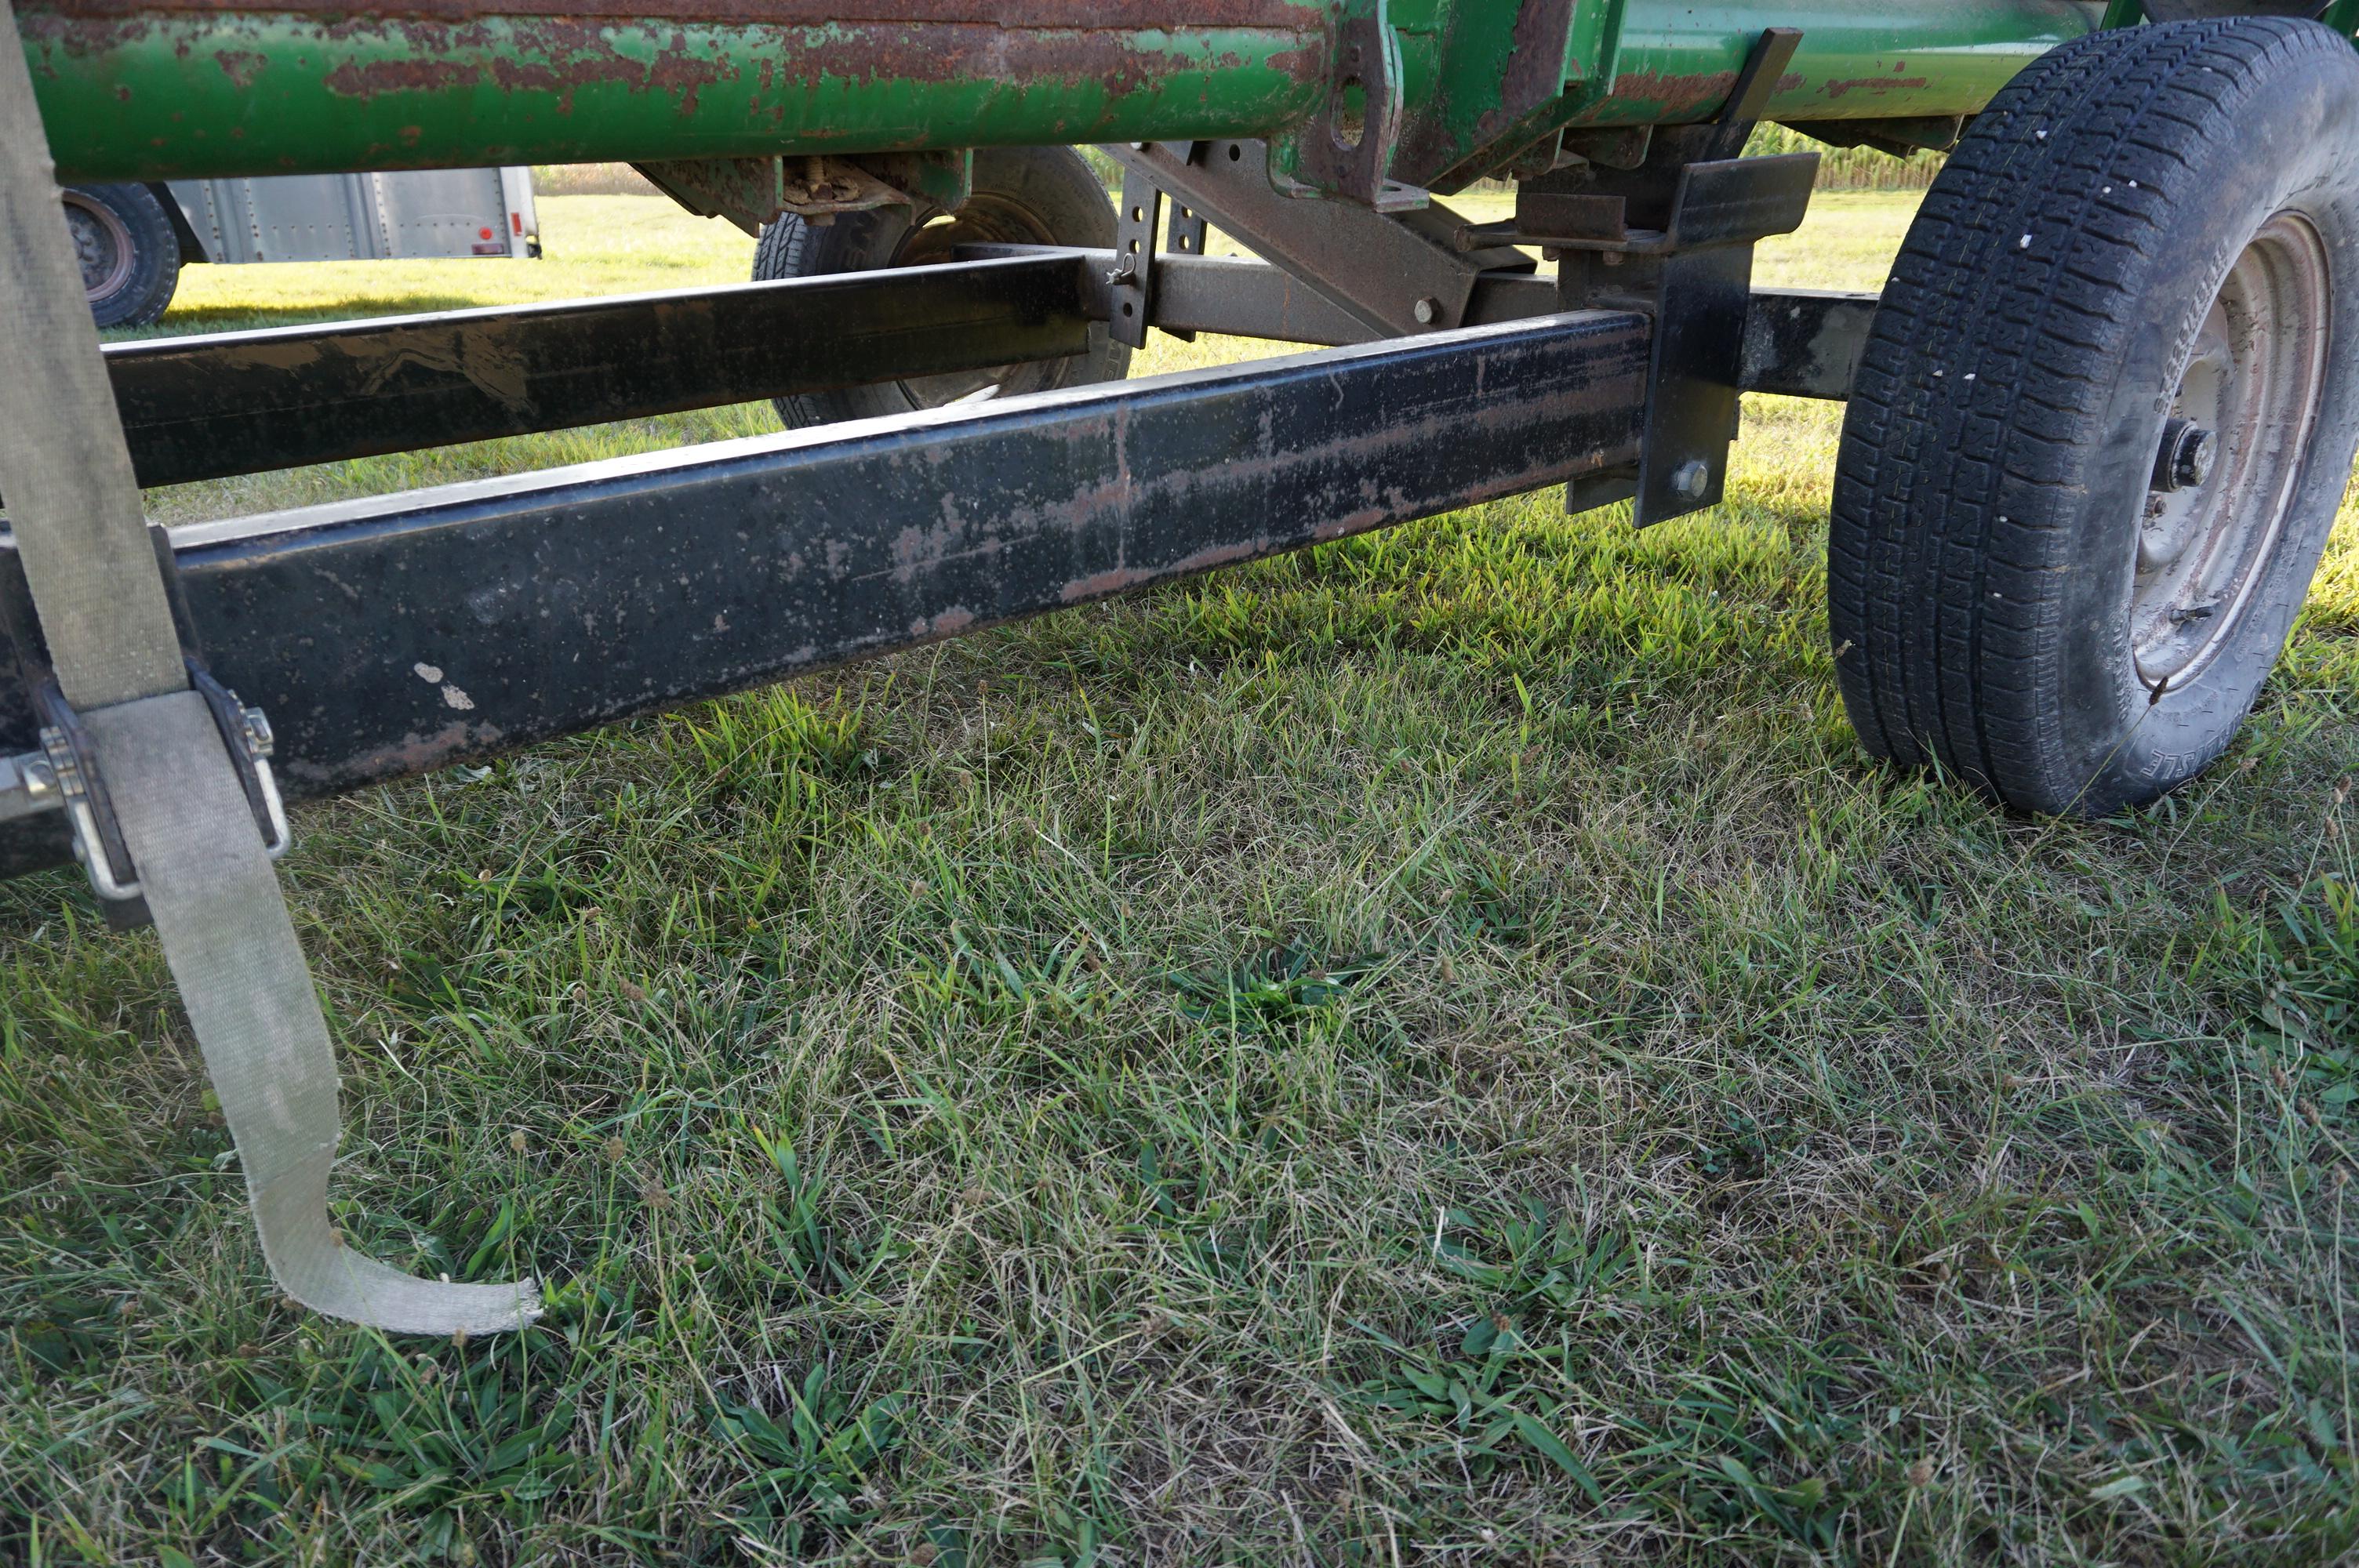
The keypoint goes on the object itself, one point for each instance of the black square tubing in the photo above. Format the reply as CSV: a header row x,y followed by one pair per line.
x,y
218,405
398,634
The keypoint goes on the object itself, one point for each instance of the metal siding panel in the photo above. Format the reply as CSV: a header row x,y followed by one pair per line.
x,y
442,212
368,228
302,218
196,202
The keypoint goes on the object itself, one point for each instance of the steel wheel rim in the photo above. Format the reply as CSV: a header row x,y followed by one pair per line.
x,y
102,243
2256,375
984,220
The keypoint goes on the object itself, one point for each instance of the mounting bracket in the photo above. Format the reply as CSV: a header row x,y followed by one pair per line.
x,y
1347,149
1395,272
1689,264
1132,281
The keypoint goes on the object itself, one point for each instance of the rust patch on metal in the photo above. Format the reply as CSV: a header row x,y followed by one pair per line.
x,y
414,753
1122,579
561,55
1873,85
1303,16
549,55
1692,96
1531,86
1676,95
241,66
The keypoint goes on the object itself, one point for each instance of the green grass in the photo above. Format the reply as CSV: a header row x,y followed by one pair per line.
x,y
1439,1049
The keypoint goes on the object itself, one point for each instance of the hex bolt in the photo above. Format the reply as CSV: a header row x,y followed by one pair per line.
x,y
1427,312
2186,457
1693,478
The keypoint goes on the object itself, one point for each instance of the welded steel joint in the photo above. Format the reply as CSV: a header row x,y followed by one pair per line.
x,y
1348,146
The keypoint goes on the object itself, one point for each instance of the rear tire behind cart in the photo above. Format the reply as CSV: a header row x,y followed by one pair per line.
x,y
2106,415
130,254
1023,196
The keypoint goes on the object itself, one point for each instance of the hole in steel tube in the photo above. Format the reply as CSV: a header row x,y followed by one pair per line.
x,y
1351,118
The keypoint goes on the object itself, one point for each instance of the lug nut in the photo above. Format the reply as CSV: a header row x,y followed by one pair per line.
x,y
2186,457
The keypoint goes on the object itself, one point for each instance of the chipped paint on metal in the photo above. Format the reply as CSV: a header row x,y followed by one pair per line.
x,y
1134,16
162,92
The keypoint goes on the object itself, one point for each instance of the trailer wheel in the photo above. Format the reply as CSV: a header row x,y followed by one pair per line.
x,y
2106,415
1023,196
130,254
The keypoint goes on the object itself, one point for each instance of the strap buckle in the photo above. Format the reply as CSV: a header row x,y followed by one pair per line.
x,y
64,775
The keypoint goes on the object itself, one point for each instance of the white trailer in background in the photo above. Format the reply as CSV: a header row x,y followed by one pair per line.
x,y
133,239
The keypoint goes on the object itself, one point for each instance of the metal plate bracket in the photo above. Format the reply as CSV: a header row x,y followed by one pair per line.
x,y
1190,232
1694,275
1132,277
1728,201
1698,363
1347,149
1396,272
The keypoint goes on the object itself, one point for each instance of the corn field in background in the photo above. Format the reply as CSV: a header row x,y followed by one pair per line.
x,y
590,179
1840,169
1849,168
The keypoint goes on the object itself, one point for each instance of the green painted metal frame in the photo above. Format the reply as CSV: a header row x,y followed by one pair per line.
x,y
154,88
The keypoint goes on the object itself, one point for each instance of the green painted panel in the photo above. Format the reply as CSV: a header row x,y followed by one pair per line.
x,y
1674,64
154,88
197,92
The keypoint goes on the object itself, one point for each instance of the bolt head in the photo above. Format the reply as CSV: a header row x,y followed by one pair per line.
x,y
1428,312
1692,478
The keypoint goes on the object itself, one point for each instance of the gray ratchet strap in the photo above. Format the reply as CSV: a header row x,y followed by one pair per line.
x,y
178,796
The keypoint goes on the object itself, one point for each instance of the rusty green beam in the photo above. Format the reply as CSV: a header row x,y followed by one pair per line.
x,y
1673,64
157,88
188,88
1472,100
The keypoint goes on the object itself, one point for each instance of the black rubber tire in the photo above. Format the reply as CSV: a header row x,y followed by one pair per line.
x,y
126,217
2000,439
1033,196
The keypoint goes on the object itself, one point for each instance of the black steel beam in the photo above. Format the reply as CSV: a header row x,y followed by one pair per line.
x,y
1799,342
390,636
1254,299
1803,342
218,405
209,406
